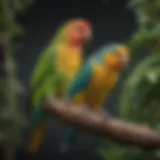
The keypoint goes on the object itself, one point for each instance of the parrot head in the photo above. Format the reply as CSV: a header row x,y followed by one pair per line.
x,y
117,57
77,32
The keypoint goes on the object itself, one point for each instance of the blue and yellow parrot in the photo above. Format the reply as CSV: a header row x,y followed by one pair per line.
x,y
94,82
54,71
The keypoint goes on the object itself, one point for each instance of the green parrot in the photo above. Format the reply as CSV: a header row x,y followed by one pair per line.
x,y
54,71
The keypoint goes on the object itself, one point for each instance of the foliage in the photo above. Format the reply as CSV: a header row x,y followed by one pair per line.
x,y
116,152
145,78
140,97
148,24
11,120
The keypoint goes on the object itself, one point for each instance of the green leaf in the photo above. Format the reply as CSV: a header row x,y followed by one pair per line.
x,y
140,39
12,121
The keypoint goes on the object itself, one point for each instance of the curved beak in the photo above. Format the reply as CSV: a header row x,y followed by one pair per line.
x,y
125,60
124,54
87,36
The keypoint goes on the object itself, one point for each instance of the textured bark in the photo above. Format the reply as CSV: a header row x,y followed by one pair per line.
x,y
109,127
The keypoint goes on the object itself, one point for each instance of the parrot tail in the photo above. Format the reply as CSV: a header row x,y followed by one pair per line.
x,y
36,131
68,139
35,138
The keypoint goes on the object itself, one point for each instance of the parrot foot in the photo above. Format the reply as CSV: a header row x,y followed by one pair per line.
x,y
64,148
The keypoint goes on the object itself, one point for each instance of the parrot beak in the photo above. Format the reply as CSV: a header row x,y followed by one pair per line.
x,y
120,61
125,60
123,53
87,35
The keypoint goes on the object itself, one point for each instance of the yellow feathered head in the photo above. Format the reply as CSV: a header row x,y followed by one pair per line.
x,y
117,57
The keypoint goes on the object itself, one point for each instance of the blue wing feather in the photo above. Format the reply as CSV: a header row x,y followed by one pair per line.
x,y
81,81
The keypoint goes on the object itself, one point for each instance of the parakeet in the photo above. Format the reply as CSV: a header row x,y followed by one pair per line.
x,y
55,69
94,81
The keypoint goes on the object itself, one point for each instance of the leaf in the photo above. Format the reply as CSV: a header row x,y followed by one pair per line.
x,y
12,121
133,82
136,3
140,39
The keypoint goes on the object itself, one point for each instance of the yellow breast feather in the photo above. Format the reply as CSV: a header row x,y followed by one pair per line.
x,y
103,80
101,83
69,60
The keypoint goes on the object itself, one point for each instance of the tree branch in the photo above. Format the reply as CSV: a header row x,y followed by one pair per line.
x,y
108,127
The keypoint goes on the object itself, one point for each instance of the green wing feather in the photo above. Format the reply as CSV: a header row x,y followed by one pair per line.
x,y
45,77
43,67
